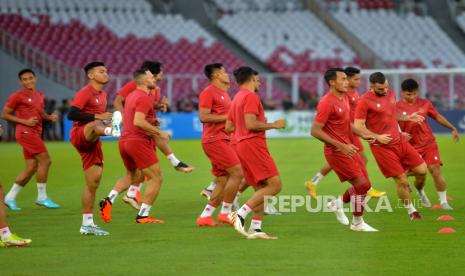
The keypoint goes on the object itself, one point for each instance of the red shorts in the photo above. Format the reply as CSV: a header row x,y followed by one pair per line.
x,y
137,154
91,153
346,167
222,156
256,160
357,141
430,154
31,143
396,159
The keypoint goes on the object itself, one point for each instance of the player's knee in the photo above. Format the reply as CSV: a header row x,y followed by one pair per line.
x,y
421,170
236,172
361,185
435,170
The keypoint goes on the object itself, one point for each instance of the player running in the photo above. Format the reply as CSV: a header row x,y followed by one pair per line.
x,y
136,144
332,126
376,115
89,116
353,77
246,119
25,108
214,104
422,138
6,237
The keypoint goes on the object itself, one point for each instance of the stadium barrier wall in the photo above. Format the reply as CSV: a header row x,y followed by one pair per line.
x,y
188,126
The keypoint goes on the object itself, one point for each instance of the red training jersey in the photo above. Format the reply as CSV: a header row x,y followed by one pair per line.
x,y
334,113
89,101
380,113
27,104
422,134
353,97
131,86
137,101
218,101
246,102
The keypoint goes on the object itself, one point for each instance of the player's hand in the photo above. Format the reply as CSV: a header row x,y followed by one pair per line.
x,y
348,149
384,138
104,116
278,124
1,130
53,117
455,135
33,121
164,104
415,117
156,122
407,135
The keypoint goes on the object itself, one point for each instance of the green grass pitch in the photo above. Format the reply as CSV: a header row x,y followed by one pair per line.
x,y
310,243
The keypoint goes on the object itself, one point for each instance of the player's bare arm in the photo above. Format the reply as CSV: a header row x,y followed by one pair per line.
x,y
163,105
414,117
363,131
229,126
444,122
205,116
7,114
318,133
141,122
118,103
49,117
251,123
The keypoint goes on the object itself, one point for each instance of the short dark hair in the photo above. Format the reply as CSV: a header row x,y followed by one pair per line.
x,y
153,66
331,73
24,71
244,74
138,74
92,65
351,71
209,69
409,85
377,77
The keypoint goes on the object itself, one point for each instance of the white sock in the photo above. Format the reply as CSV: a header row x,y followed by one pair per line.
x,y
5,232
107,131
14,191
212,186
256,224
244,210
411,208
174,161
144,210
421,192
132,191
87,219
339,203
208,211
112,196
357,219
41,191
226,208
443,197
317,178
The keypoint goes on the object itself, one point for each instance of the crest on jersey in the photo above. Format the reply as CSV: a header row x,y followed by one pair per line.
x,y
29,100
96,100
378,105
222,97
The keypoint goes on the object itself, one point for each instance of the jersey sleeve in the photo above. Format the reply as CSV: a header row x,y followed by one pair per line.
x,y
252,104
127,89
12,101
144,104
323,111
361,110
205,100
432,112
80,99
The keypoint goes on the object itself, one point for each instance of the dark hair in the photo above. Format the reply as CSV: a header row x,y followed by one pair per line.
x,y
409,85
24,71
351,71
92,65
209,69
377,77
331,74
243,74
153,66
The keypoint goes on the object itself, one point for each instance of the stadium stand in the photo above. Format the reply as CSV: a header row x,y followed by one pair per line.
x,y
121,33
